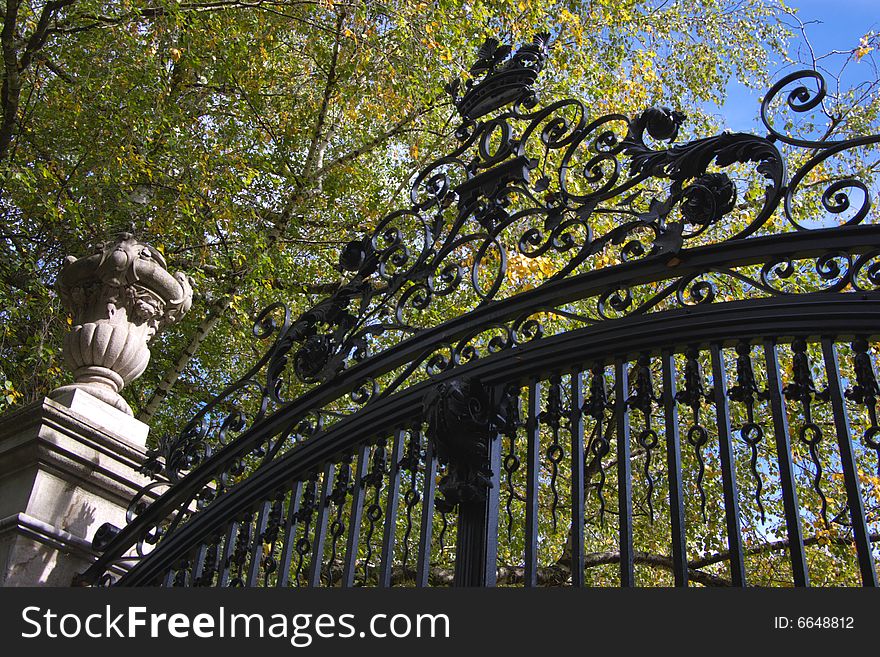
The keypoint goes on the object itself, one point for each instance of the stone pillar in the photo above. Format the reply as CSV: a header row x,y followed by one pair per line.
x,y
69,464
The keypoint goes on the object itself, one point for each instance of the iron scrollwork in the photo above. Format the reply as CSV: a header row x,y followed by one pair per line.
x,y
548,190
413,457
643,399
524,182
747,392
553,417
866,392
694,394
342,488
802,388
597,405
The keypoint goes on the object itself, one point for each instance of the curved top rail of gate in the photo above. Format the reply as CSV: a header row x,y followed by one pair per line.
x,y
539,221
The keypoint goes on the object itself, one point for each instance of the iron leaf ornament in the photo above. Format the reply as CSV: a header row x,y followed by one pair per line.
x,y
462,419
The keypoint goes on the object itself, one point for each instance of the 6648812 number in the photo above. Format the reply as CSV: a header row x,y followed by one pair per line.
x,y
825,622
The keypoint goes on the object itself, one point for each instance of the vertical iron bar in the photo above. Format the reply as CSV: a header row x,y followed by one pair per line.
x,y
199,565
624,475
490,559
357,510
469,544
188,578
228,547
289,534
577,479
728,473
533,464
476,540
323,504
256,549
392,502
786,471
426,529
673,466
848,462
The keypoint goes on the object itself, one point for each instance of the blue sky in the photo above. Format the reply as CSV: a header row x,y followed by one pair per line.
x,y
831,25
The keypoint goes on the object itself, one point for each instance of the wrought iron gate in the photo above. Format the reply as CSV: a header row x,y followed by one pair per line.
x,y
582,354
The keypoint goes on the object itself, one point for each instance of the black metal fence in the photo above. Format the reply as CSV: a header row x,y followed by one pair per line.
x,y
554,369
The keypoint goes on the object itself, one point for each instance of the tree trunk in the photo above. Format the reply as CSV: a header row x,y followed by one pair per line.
x,y
205,327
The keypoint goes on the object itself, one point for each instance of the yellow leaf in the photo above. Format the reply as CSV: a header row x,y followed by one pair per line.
x,y
864,47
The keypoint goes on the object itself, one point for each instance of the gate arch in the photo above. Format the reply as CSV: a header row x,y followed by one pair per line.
x,y
649,338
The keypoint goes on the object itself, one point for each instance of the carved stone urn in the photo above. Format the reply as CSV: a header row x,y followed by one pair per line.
x,y
119,297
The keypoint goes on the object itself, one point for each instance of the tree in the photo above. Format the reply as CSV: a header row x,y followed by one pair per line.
x,y
248,141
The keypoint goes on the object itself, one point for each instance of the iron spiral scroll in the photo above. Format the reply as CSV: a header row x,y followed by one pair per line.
x,y
539,222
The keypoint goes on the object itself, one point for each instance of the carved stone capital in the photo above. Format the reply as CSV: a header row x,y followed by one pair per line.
x,y
119,298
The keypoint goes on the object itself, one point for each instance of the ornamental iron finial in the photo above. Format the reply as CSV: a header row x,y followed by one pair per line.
x,y
497,80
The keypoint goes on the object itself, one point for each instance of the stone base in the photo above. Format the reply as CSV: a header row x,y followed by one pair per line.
x,y
37,553
65,469
105,415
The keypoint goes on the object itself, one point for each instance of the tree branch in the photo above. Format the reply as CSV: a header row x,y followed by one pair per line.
x,y
95,21
376,140
11,90
215,312
329,88
774,546
13,66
